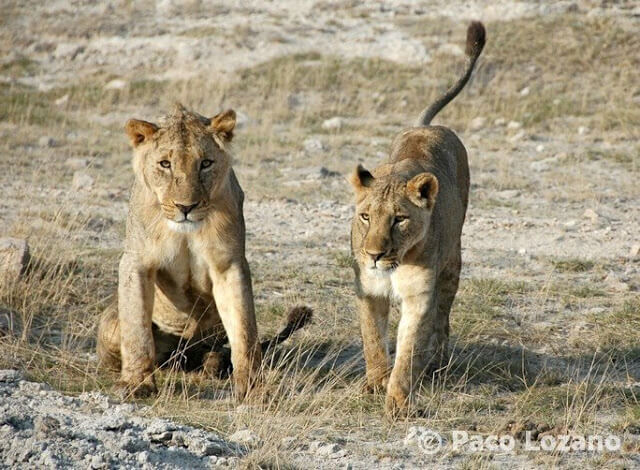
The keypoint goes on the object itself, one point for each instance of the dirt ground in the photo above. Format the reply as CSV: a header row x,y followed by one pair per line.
x,y
546,325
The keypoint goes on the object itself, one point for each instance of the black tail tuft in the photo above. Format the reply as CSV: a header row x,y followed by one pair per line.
x,y
476,37
299,316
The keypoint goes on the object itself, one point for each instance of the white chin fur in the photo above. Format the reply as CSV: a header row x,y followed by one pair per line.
x,y
184,227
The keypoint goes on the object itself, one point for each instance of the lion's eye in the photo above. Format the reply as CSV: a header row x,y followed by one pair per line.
x,y
165,164
206,163
364,217
399,219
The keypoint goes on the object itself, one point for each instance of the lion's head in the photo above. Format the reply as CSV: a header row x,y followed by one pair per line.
x,y
393,213
183,162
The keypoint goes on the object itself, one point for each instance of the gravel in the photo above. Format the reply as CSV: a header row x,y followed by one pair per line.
x,y
42,428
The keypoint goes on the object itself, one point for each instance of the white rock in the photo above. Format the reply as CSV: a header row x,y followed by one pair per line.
x,y
68,51
500,122
517,137
615,282
14,257
77,163
312,145
64,99
540,166
514,125
477,123
525,91
116,84
333,124
81,181
245,436
508,193
582,130
635,249
590,214
540,148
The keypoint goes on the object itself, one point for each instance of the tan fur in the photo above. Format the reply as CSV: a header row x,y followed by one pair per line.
x,y
405,237
182,275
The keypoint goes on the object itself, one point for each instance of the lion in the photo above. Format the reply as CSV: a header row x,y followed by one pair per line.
x,y
405,239
184,285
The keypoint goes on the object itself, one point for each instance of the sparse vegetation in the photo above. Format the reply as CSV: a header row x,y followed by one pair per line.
x,y
537,339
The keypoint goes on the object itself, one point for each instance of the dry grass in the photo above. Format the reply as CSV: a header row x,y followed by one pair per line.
x,y
501,372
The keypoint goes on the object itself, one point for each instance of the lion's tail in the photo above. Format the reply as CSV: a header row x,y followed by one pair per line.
x,y
476,36
297,318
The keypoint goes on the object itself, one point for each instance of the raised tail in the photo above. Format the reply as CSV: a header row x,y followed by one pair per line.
x,y
476,36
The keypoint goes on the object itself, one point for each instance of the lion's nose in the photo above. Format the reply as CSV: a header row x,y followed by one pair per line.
x,y
186,209
375,254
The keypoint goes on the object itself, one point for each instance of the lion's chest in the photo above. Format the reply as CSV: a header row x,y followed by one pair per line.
x,y
376,284
184,300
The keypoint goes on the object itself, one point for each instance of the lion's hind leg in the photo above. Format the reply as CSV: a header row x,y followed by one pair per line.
x,y
108,345
447,286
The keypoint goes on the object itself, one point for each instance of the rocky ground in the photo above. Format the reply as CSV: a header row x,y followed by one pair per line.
x,y
545,327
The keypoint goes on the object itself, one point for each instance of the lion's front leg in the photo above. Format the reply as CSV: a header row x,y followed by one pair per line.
x,y
234,297
418,339
135,307
374,316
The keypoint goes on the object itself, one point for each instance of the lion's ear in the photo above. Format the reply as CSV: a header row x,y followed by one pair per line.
x,y
223,124
422,190
139,131
361,178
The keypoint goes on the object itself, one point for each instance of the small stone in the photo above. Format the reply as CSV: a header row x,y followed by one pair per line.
x,y
116,84
590,214
525,91
570,225
143,457
64,99
68,51
245,436
46,141
500,122
81,181
514,125
76,163
615,282
312,145
635,250
522,251
477,123
582,130
97,461
14,258
333,124
539,148
517,137
508,193
540,166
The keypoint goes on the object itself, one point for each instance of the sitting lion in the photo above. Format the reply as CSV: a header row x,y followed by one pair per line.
x,y
184,285
406,241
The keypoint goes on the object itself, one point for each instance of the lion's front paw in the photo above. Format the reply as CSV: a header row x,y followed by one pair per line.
x,y
396,403
126,389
